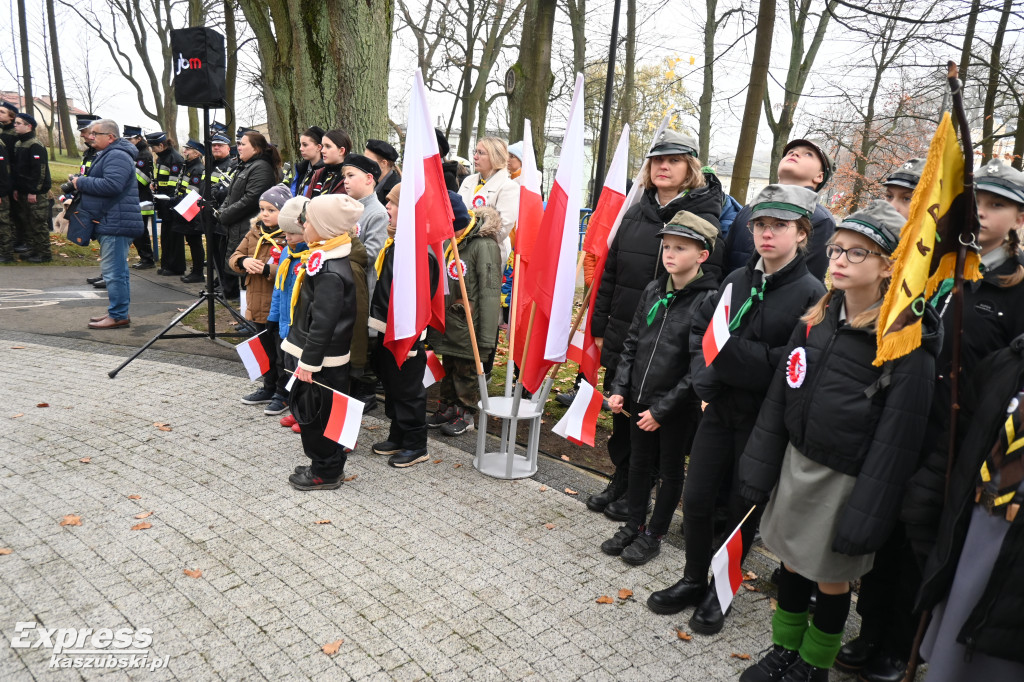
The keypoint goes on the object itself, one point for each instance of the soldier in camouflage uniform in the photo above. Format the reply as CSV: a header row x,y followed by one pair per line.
x,y
6,226
32,190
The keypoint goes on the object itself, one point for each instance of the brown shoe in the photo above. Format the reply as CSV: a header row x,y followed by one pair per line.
x,y
99,318
109,323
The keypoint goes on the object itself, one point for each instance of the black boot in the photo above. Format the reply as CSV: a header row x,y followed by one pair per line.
x,y
802,671
687,592
619,509
615,489
856,653
708,618
884,669
772,667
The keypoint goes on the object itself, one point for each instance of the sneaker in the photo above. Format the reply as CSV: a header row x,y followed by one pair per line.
x,y
462,422
444,414
288,421
296,428
567,397
301,468
802,671
406,458
621,540
277,406
258,397
386,447
100,284
772,667
93,280
307,480
642,550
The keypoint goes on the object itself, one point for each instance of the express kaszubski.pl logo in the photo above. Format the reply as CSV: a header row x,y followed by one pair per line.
x,y
89,648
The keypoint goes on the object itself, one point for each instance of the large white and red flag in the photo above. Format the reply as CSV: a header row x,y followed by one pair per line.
x,y
531,213
424,221
551,280
345,419
717,333
253,357
579,424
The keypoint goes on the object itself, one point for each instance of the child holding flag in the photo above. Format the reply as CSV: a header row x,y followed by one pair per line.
x,y
256,258
834,444
654,373
320,338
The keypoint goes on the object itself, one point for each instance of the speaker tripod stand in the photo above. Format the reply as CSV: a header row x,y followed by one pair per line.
x,y
208,295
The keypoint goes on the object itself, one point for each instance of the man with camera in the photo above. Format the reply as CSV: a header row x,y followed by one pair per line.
x,y
110,200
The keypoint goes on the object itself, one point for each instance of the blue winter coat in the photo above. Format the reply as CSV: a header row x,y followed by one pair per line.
x,y
110,192
281,299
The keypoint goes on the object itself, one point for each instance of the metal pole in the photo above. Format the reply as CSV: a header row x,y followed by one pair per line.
x,y
606,109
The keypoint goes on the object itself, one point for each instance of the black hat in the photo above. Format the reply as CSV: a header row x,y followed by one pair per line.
x,y
198,146
132,131
382,149
461,221
85,120
8,105
442,142
828,166
28,119
159,137
363,163
242,130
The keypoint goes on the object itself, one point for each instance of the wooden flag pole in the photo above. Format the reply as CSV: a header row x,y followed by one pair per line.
x,y
550,380
472,330
514,306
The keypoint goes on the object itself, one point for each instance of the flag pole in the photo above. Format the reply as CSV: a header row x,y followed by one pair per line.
x,y
549,381
968,237
472,331
514,306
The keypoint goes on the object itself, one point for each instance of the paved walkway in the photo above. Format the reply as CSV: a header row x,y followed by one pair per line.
x,y
435,571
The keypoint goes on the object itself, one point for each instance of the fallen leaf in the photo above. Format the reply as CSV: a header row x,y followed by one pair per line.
x,y
181,310
749,575
565,458
549,526
160,424
17,347
438,461
372,428
543,488
625,594
742,657
193,574
15,416
351,478
605,600
142,526
750,588
42,404
144,515
773,602
85,460
163,428
71,520
4,551
457,465
686,637
323,521
332,648
570,491
63,255
135,497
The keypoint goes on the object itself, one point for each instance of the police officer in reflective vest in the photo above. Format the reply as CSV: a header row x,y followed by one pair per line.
x,y
167,167
144,174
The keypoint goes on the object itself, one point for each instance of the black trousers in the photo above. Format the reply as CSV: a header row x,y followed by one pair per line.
x,y
172,247
280,358
405,398
618,445
886,599
143,245
311,407
663,450
714,458
271,342
196,249
229,282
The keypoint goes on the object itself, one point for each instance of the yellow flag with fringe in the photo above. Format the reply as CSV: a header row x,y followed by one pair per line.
x,y
936,214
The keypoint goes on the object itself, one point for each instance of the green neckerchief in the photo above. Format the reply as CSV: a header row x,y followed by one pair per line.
x,y
670,294
734,323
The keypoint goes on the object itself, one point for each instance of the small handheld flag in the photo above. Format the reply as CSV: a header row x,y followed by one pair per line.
x,y
434,371
579,425
717,333
726,566
346,416
253,357
188,207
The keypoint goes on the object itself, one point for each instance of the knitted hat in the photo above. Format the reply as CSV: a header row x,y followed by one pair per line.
x,y
461,221
158,137
786,202
907,175
383,150
516,150
363,163
333,215
8,105
686,224
198,146
395,194
673,142
277,196
998,178
879,222
27,119
828,166
288,218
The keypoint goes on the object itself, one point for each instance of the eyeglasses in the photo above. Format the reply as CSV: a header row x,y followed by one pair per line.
x,y
479,152
855,254
759,227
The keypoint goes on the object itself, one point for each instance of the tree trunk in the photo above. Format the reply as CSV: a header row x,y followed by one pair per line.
x,y
755,96
577,12
534,79
316,71
987,143
965,54
707,92
627,101
67,139
231,75
1018,141
26,86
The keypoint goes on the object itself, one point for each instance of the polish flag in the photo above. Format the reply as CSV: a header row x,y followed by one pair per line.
x,y
434,371
588,357
531,213
551,280
424,222
346,417
717,333
726,567
188,207
253,357
579,425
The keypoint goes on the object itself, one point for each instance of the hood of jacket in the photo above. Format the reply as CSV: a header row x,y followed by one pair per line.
x,y
125,146
488,224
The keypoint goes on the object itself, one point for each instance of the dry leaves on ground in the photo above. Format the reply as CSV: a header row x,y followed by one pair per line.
x,y
193,573
605,600
4,551
749,575
332,648
773,602
549,526
565,458
162,426
42,404
750,588
685,636
17,347
570,491
457,465
144,515
438,461
142,526
351,478
71,520
742,657
135,497
15,416
85,460
543,488
625,594
322,522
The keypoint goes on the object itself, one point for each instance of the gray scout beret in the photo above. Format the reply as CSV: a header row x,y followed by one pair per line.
x,y
686,224
827,164
998,178
907,175
879,222
787,202
672,142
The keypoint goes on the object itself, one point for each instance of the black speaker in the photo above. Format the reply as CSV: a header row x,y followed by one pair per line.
x,y
198,63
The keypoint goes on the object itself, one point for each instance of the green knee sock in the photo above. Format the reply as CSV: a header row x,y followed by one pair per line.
x,y
788,628
820,648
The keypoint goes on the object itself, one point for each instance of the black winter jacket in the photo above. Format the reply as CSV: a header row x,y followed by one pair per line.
x,y
634,259
31,167
326,180
654,364
5,172
995,626
380,301
325,314
386,184
144,166
739,378
251,179
848,415
739,243
8,136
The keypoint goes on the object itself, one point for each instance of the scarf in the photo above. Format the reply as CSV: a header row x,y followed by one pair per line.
x,y
666,300
285,266
266,238
378,264
1003,469
755,293
449,252
328,245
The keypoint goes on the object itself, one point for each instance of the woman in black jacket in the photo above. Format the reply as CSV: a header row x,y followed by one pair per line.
x,y
310,146
336,145
834,444
259,169
768,297
673,182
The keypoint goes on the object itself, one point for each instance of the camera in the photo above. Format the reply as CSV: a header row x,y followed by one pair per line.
x,y
69,187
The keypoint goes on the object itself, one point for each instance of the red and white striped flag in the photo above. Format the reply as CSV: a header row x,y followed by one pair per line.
x,y
424,222
531,213
579,425
434,371
346,417
188,207
551,282
253,357
726,566
717,333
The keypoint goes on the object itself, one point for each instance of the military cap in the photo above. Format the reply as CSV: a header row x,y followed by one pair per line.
x,y
907,175
672,142
363,163
686,224
219,139
8,105
787,202
879,222
159,137
83,121
198,146
27,119
382,149
132,131
998,178
828,166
